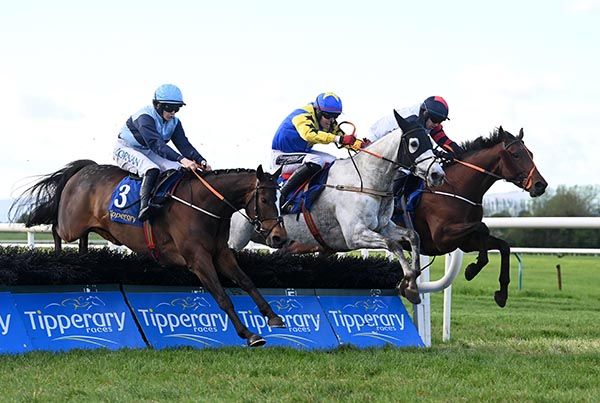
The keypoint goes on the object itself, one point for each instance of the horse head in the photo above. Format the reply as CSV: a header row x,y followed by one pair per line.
x,y
263,209
517,166
416,153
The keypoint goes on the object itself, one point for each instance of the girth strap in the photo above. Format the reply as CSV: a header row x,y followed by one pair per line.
x,y
312,227
150,243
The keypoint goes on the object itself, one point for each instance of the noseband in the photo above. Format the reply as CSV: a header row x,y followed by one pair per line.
x,y
525,181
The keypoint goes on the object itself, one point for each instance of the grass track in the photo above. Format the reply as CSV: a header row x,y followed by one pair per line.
x,y
544,346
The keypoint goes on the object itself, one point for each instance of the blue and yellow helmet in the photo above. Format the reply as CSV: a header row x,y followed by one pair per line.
x,y
168,94
329,102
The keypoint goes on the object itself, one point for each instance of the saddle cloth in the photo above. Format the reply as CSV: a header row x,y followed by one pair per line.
x,y
412,201
307,194
124,204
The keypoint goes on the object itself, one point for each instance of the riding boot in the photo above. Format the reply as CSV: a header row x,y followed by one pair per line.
x,y
148,182
301,175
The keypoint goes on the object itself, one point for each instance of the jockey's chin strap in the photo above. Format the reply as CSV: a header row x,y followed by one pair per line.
x,y
256,222
525,183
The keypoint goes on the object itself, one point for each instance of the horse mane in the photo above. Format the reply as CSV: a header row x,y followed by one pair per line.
x,y
226,171
481,143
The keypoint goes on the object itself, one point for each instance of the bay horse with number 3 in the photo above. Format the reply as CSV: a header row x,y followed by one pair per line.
x,y
75,200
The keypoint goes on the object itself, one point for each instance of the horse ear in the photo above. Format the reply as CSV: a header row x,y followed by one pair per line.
x,y
402,123
259,171
500,130
278,172
520,136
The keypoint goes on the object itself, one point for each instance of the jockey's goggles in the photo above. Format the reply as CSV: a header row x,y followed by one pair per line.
x,y
330,115
435,118
171,108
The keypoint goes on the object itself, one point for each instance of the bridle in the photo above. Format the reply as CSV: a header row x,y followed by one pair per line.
x,y
256,221
403,154
522,180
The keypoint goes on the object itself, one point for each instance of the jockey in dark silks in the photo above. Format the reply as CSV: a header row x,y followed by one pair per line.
x,y
299,132
142,144
430,114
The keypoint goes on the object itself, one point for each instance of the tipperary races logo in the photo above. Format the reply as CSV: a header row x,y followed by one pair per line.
x,y
370,318
76,319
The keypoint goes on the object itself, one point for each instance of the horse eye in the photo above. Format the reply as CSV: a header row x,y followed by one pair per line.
x,y
413,145
263,200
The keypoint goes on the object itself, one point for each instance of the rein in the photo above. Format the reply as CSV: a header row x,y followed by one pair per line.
x,y
256,221
526,182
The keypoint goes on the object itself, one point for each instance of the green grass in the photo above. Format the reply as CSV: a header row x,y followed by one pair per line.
x,y
544,346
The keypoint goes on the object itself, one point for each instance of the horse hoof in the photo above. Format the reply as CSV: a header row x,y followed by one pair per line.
x,y
276,322
413,296
500,299
256,341
471,271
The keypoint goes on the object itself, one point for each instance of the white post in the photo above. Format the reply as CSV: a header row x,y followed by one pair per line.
x,y
422,312
452,260
31,239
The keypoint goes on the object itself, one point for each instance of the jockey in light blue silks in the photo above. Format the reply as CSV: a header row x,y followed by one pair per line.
x,y
429,114
299,132
142,144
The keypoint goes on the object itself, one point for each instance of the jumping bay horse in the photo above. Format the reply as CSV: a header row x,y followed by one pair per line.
x,y
449,217
191,230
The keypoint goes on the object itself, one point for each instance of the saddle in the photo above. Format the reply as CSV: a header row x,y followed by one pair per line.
x,y
306,195
124,204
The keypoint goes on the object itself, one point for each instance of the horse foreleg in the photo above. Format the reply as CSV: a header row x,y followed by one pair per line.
x,y
203,267
483,245
501,295
226,264
395,235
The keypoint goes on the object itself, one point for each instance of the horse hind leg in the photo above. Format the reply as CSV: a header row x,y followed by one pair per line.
x,y
228,266
83,244
57,241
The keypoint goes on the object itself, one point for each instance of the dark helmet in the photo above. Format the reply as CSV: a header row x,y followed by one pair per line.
x,y
168,94
329,102
436,108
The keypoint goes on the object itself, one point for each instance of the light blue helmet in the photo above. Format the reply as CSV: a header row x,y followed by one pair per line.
x,y
329,102
168,94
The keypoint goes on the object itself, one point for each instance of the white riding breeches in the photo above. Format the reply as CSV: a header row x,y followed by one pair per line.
x,y
139,161
291,161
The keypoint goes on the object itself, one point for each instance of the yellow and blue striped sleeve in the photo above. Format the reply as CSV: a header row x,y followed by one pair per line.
x,y
307,129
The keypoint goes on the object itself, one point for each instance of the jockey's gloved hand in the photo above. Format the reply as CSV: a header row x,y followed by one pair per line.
x,y
346,140
448,156
365,142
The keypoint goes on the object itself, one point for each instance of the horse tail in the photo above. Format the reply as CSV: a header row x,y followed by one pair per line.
x,y
39,204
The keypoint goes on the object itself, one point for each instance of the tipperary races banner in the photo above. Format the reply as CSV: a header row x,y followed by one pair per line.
x,y
13,337
68,317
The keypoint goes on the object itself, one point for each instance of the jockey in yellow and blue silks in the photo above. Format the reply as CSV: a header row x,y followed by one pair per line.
x,y
292,144
142,144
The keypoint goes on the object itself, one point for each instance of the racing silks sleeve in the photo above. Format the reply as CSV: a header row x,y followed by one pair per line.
x,y
308,129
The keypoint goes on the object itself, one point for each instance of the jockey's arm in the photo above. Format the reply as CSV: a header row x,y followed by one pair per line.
x,y
308,130
439,136
147,128
383,126
184,146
